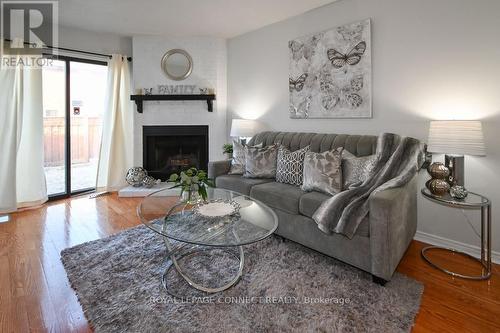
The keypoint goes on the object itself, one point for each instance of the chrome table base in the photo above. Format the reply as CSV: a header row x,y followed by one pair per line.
x,y
175,256
485,260
484,276
173,263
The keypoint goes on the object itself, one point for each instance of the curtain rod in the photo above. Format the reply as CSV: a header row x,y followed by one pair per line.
x,y
69,50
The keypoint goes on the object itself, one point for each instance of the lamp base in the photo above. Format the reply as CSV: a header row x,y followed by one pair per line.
x,y
456,165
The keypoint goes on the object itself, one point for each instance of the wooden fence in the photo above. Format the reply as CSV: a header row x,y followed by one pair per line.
x,y
85,139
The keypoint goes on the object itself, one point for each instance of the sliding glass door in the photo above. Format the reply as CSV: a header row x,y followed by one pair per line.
x,y
54,126
88,86
73,105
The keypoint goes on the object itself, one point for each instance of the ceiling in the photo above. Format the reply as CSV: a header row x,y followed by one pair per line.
x,y
218,18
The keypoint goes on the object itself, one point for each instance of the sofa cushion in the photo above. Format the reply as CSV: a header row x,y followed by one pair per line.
x,y
238,183
364,227
309,202
278,195
359,145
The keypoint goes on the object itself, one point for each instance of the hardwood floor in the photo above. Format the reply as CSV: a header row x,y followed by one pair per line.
x,y
35,295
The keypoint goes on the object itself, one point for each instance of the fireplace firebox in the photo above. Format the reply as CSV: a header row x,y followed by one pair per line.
x,y
169,149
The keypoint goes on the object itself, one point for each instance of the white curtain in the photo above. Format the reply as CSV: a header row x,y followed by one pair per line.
x,y
22,178
116,154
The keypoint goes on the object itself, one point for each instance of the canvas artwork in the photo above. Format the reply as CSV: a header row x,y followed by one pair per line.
x,y
330,73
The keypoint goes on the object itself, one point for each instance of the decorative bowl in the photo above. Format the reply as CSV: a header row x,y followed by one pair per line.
x,y
217,208
135,176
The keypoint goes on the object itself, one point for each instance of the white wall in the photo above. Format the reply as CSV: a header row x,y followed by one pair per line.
x,y
92,41
209,70
431,60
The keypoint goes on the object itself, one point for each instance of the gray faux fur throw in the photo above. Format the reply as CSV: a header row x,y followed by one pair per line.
x,y
398,160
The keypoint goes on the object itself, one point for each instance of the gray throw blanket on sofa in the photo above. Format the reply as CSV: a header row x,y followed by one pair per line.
x,y
398,160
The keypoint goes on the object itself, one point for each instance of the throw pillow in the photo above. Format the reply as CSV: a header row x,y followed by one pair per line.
x,y
260,162
323,171
355,170
290,165
238,161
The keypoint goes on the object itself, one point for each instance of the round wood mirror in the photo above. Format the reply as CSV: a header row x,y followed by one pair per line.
x,y
177,64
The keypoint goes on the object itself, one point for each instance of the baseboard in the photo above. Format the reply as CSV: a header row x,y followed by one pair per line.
x,y
445,242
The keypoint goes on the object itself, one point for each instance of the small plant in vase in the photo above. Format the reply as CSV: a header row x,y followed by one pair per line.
x,y
228,150
193,184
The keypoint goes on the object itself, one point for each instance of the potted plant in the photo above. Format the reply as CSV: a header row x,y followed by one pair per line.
x,y
228,150
193,184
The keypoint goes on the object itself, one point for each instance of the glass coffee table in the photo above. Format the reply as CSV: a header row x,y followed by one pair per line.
x,y
222,225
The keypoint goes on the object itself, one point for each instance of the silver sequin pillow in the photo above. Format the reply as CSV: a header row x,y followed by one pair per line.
x,y
260,162
323,171
290,165
355,170
238,161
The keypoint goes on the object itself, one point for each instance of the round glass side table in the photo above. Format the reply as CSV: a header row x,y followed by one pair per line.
x,y
472,201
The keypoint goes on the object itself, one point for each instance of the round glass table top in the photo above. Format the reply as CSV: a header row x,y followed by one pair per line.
x,y
472,200
249,221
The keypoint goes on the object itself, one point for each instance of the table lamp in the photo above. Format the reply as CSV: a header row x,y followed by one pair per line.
x,y
243,128
456,138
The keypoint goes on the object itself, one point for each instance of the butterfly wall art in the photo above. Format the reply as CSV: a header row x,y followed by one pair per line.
x,y
298,83
330,73
304,49
351,58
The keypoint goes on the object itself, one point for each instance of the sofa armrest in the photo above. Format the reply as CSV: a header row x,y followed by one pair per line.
x,y
218,168
393,223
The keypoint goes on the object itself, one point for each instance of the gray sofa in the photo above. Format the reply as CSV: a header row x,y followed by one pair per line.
x,y
382,238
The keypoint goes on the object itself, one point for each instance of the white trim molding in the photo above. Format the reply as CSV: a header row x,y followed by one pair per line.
x,y
474,251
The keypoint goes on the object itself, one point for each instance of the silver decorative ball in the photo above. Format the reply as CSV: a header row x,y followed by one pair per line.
x,y
458,192
149,181
135,176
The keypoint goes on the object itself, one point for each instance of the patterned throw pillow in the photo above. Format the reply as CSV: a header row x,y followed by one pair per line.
x,y
260,162
290,165
238,161
323,171
355,170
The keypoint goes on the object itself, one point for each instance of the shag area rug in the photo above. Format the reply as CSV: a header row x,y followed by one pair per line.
x,y
285,288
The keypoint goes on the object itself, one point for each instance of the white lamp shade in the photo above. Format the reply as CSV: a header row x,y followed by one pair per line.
x,y
456,137
243,128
